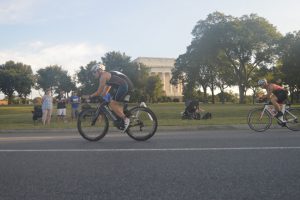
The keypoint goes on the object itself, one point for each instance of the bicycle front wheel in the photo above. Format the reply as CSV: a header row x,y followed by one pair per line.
x,y
259,120
90,128
143,123
291,116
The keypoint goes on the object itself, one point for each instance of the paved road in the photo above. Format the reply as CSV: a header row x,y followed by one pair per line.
x,y
222,164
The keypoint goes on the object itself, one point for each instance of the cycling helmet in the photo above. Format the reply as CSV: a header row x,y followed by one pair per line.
x,y
96,67
262,82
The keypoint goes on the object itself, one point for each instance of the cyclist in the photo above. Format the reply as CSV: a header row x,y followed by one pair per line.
x,y
120,85
277,95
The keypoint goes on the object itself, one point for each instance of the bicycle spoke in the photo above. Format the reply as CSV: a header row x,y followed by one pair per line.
x,y
143,123
259,120
90,128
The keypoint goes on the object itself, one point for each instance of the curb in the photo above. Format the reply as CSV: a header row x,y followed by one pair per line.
x,y
112,129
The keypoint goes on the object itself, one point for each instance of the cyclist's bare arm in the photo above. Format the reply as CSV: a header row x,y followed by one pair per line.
x,y
268,95
105,76
269,91
105,90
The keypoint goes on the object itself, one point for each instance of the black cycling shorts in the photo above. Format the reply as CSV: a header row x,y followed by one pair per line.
x,y
119,93
281,95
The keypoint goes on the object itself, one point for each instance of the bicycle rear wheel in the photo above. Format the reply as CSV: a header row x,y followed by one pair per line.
x,y
90,131
292,116
143,123
258,120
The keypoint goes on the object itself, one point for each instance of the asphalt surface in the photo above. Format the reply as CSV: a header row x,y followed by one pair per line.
x,y
224,163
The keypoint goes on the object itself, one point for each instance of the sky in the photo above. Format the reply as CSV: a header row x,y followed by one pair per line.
x,y
71,33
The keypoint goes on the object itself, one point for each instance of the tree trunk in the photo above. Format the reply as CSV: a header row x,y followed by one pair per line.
x,y
213,96
10,98
205,94
242,94
222,96
292,94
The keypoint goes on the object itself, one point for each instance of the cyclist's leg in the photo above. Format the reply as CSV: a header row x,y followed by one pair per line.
x,y
115,104
278,97
117,107
274,101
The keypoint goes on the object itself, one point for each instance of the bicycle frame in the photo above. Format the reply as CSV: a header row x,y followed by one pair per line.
x,y
268,108
271,110
103,108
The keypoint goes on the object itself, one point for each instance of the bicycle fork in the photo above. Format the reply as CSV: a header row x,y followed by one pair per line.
x,y
262,113
95,116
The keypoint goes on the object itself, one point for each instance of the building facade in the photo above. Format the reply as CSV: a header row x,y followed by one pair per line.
x,y
163,68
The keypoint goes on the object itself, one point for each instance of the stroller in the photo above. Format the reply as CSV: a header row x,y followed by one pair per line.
x,y
37,113
192,111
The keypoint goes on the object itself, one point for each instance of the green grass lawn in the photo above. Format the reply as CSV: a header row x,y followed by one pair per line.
x,y
168,114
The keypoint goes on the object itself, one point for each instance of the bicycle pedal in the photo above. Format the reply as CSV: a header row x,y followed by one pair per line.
x,y
282,124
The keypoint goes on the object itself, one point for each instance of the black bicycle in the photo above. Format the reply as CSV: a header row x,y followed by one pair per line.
x,y
93,123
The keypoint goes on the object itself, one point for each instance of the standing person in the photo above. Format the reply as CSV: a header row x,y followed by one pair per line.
x,y
276,94
61,106
121,86
75,101
47,106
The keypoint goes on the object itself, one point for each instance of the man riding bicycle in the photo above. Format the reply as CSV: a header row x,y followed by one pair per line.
x,y
276,94
120,85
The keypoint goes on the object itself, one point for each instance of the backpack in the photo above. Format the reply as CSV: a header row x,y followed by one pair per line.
x,y
207,115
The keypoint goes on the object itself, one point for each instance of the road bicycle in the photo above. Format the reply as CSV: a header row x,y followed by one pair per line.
x,y
93,123
260,119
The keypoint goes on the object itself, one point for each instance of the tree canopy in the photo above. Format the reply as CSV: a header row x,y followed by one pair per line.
x,y
16,77
228,49
55,78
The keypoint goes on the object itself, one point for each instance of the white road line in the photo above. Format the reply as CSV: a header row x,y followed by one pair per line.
x,y
140,150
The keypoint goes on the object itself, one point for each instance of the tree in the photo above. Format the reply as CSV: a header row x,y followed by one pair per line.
x,y
154,88
88,84
247,43
54,77
16,77
290,48
116,61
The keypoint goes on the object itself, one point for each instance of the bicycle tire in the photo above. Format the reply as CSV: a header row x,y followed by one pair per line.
x,y
87,130
143,123
292,123
257,122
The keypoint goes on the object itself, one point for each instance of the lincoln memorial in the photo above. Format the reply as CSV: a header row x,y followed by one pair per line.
x,y
162,67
